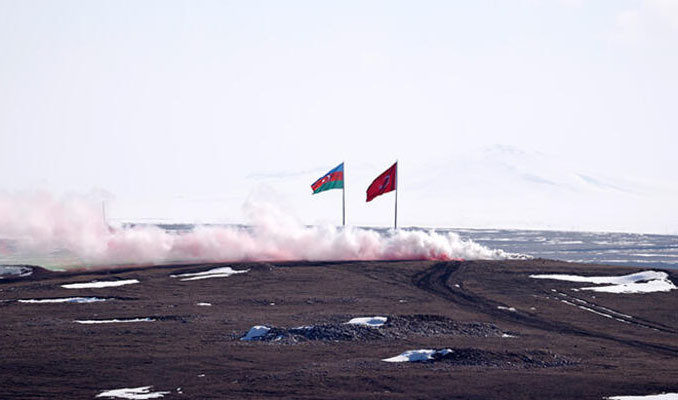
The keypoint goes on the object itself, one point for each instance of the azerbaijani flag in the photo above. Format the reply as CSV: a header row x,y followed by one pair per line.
x,y
331,180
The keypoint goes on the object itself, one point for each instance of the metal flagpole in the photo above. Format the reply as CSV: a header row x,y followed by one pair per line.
x,y
343,197
395,221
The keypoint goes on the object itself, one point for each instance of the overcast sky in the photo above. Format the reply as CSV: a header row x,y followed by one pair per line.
x,y
525,114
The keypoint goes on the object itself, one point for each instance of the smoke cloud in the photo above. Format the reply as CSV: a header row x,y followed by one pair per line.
x,y
71,231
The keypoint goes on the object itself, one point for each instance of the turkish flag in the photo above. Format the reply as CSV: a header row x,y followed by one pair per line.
x,y
386,182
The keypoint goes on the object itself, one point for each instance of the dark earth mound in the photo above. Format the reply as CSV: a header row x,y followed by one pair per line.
x,y
328,332
434,325
484,358
396,327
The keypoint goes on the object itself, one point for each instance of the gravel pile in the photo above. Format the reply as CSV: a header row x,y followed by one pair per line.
x,y
484,358
395,328
327,332
433,325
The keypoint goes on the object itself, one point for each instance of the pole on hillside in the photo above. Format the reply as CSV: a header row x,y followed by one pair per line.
x,y
395,220
343,199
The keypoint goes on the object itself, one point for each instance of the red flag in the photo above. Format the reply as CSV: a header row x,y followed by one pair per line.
x,y
386,182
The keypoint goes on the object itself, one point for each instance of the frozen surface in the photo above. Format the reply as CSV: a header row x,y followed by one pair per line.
x,y
113,321
656,285
640,282
99,284
663,396
213,273
62,300
143,392
368,321
14,271
255,332
417,355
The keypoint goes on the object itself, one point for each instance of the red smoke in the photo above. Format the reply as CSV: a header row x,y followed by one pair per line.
x,y
71,233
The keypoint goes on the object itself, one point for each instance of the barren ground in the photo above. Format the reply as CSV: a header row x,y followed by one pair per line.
x,y
512,337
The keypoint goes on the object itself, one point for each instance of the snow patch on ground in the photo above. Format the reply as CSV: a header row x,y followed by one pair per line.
x,y
418,355
113,321
14,271
640,282
663,396
143,392
512,309
99,284
368,321
213,273
79,300
204,304
256,332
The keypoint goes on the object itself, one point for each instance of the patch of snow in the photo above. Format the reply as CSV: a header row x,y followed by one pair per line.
x,y
213,273
417,355
113,321
304,327
644,287
615,312
99,284
368,321
512,309
640,282
204,304
15,271
663,396
506,335
595,312
256,332
62,300
143,392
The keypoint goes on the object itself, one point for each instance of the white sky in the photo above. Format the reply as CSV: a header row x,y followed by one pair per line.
x,y
524,114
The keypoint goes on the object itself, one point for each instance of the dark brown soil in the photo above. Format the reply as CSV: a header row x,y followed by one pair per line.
x,y
509,336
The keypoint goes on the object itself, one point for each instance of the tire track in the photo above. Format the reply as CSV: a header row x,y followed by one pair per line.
x,y
616,315
435,281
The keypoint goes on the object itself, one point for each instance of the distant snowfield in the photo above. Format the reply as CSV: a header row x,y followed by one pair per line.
x,y
113,321
222,272
79,300
640,282
14,271
139,393
368,321
417,355
99,284
663,396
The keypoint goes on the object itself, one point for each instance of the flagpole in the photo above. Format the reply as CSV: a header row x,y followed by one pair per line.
x,y
395,220
343,198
